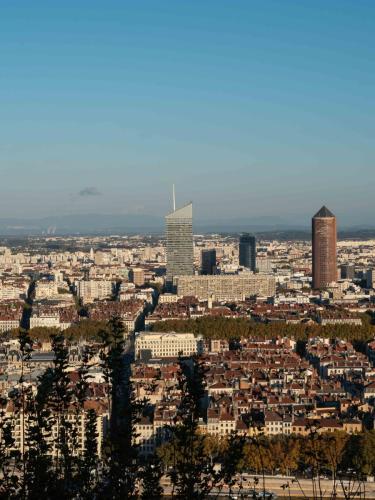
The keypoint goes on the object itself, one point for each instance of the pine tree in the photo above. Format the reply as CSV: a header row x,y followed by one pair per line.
x,y
18,401
85,480
39,477
59,400
233,460
89,464
122,463
193,475
151,475
9,485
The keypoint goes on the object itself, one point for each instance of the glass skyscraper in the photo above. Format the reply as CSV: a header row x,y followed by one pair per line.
x,y
208,261
180,251
247,251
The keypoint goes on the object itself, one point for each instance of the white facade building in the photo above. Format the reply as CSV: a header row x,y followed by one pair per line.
x,y
91,290
46,290
166,345
6,325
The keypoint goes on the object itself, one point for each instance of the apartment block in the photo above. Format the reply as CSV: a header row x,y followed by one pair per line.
x,y
226,287
91,290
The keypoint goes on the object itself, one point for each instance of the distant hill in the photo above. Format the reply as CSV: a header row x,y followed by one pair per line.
x,y
133,223
97,224
82,224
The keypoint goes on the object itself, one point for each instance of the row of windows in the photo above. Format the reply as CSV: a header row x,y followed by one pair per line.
x,y
151,343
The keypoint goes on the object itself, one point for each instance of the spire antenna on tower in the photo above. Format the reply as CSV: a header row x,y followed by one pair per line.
x,y
174,200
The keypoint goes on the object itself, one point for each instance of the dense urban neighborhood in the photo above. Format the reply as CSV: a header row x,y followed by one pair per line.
x,y
221,343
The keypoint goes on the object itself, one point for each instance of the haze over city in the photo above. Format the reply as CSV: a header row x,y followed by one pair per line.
x,y
253,109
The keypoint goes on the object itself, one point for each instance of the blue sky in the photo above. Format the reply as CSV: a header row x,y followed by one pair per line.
x,y
251,107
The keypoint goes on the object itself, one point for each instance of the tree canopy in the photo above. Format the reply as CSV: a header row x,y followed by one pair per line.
x,y
232,328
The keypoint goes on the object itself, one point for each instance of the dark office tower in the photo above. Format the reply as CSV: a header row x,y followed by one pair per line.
x,y
180,251
347,271
208,261
324,240
248,251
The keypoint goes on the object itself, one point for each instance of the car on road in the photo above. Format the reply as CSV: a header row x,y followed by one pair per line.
x,y
259,495
267,494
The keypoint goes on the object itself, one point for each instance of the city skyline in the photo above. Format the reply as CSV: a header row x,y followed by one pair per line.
x,y
261,109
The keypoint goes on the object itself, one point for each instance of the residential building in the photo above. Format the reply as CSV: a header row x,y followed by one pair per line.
x,y
226,287
264,265
46,289
78,423
370,278
10,315
137,276
90,290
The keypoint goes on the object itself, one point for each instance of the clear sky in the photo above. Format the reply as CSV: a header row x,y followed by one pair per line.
x,y
251,107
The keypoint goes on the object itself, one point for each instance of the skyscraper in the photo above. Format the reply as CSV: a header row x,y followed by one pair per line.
x,y
247,251
180,252
324,240
208,261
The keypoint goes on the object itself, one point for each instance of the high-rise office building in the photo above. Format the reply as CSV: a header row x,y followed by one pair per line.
x,y
247,251
180,251
208,261
347,271
324,252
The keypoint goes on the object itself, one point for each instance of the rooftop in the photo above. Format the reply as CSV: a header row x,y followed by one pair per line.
x,y
185,212
323,213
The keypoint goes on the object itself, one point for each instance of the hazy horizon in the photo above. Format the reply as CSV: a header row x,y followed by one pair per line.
x,y
148,224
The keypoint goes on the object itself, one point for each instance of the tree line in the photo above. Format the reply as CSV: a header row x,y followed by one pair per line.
x,y
219,328
330,453
87,329
235,328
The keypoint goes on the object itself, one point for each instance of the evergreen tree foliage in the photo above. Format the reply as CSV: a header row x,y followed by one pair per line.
x,y
90,461
150,476
193,474
122,464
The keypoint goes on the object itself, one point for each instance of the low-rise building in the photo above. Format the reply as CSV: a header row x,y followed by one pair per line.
x,y
167,345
